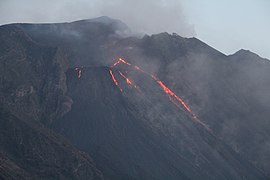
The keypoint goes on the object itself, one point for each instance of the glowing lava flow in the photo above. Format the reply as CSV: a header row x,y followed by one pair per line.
x,y
161,84
172,96
120,60
115,81
115,64
169,92
79,72
128,81
123,61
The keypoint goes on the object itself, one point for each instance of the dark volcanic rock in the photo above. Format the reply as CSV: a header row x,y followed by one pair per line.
x,y
229,93
143,136
30,151
129,135
32,77
32,94
84,41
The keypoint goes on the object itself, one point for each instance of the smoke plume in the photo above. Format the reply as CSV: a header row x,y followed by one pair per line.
x,y
151,16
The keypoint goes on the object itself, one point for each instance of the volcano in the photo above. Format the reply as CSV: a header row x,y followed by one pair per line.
x,y
90,100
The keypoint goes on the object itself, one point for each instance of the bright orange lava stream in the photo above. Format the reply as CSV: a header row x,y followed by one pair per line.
x,y
161,84
123,61
115,64
172,96
120,60
79,71
114,80
169,92
127,80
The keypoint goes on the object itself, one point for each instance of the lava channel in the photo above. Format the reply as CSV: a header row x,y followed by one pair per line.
x,y
115,81
128,81
172,96
79,72
160,83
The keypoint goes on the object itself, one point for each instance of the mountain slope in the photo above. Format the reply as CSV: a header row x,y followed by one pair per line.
x,y
34,152
138,133
135,137
229,93
33,94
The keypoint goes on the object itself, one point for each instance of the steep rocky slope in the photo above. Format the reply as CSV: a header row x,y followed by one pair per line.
x,y
32,95
229,93
30,151
141,134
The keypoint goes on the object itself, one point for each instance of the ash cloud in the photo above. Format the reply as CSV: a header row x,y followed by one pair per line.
x,y
152,16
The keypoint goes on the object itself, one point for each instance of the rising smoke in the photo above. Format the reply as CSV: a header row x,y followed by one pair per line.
x,y
151,16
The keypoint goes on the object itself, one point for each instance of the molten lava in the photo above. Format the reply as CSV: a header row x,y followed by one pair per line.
x,y
114,80
160,83
115,64
172,96
139,69
123,61
128,81
79,72
170,93
120,60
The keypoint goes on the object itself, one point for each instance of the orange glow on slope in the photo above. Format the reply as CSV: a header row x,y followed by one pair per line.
x,y
114,80
120,60
161,84
79,72
169,92
128,81
115,64
172,96
123,61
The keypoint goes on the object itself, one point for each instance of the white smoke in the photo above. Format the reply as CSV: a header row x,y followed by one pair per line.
x,y
151,16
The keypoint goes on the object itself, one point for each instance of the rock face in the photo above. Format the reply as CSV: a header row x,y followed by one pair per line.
x,y
32,77
138,133
30,151
32,94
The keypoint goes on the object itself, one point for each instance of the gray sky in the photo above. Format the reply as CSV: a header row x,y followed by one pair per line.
x,y
227,25
230,25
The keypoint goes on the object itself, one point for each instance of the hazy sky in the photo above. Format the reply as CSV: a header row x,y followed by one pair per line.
x,y
227,25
